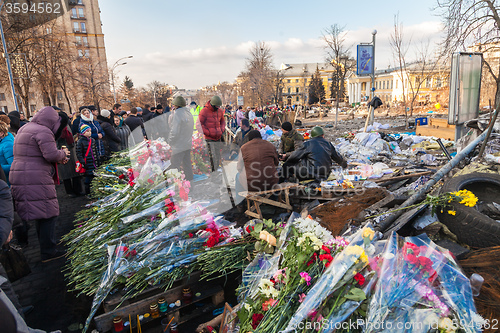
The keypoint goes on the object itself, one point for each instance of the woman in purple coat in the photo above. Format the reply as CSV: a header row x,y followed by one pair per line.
x,y
33,176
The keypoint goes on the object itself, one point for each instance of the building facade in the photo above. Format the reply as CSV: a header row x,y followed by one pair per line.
x,y
81,77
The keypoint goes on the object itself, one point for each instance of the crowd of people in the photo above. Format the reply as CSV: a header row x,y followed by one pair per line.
x,y
51,148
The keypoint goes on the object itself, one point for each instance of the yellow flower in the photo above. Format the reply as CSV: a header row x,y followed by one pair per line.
x,y
354,250
467,197
368,233
452,212
364,257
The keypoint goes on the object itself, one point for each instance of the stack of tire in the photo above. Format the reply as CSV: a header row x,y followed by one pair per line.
x,y
470,225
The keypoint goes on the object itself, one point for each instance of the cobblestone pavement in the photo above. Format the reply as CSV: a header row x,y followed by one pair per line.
x,y
45,288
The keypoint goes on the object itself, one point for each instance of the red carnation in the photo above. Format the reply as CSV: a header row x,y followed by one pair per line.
x,y
313,259
121,176
425,262
412,259
410,248
256,319
360,279
326,249
191,235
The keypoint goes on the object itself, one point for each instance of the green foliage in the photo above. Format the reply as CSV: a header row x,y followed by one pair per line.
x,y
316,89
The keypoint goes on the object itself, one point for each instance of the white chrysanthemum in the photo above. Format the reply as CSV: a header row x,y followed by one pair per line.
x,y
248,307
308,225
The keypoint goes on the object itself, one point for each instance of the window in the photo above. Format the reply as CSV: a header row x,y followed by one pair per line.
x,y
80,12
73,13
2,97
33,108
80,2
48,31
438,82
289,90
32,95
59,96
288,81
78,40
383,85
61,106
87,54
85,41
297,90
76,27
80,53
4,109
297,98
297,80
428,83
82,25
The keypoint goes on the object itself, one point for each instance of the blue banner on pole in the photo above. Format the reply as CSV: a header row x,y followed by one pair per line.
x,y
364,60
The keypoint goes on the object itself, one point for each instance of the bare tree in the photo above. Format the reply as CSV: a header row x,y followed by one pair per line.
x,y
227,92
259,72
399,50
94,81
469,23
337,54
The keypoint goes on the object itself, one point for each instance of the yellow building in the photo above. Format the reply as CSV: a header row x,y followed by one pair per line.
x,y
296,80
79,26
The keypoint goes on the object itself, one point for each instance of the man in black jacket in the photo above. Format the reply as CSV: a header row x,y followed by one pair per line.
x,y
313,160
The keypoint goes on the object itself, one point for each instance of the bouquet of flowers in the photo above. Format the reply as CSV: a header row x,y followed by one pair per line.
x,y
341,274
420,290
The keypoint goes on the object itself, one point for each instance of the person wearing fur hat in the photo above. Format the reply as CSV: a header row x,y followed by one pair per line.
x,y
111,140
33,175
87,154
180,137
291,140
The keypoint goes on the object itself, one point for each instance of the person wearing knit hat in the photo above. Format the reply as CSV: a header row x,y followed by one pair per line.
x,y
84,128
105,113
180,137
110,139
291,140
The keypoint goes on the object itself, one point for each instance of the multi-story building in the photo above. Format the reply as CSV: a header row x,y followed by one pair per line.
x,y
297,77
79,29
427,84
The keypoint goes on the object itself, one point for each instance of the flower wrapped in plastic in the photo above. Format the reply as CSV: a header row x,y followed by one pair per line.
x,y
414,294
341,271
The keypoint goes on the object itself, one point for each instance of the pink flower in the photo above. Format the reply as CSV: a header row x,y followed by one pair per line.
x,y
268,304
306,277
302,297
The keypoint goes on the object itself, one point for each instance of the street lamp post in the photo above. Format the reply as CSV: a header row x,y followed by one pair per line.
x,y
116,64
374,32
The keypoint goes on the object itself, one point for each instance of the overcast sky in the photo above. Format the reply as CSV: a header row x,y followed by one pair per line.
x,y
196,43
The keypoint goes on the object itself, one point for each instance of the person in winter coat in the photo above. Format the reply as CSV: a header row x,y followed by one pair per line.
x,y
33,176
97,131
6,221
122,131
6,149
240,114
212,123
256,165
133,121
290,141
111,139
75,122
70,178
87,154
314,159
181,136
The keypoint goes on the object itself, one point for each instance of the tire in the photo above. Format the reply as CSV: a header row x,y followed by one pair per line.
x,y
470,225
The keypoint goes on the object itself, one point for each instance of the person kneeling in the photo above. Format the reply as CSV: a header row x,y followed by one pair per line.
x,y
256,165
313,160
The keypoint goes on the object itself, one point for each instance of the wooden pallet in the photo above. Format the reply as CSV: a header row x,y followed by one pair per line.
x,y
212,295
438,128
